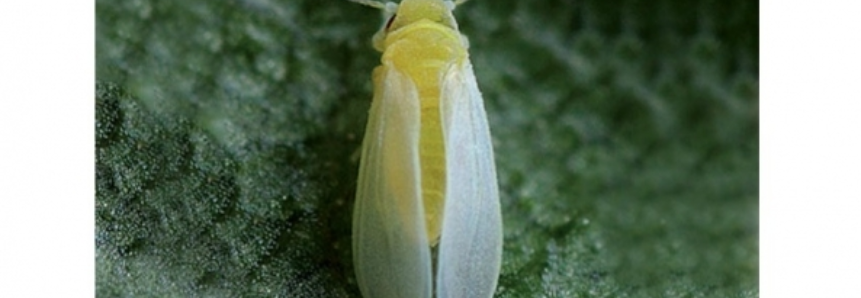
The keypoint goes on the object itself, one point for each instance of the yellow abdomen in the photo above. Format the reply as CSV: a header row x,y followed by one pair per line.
x,y
424,51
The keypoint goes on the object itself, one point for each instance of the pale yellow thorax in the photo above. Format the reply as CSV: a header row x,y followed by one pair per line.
x,y
422,42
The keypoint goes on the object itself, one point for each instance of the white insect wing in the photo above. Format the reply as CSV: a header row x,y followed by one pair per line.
x,y
471,243
390,248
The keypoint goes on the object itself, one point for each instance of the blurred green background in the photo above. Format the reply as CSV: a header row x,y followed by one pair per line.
x,y
626,139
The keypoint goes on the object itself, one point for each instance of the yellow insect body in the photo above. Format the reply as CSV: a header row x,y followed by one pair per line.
x,y
427,176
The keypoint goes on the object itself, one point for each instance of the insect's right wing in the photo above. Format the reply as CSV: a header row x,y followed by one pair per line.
x,y
390,247
470,252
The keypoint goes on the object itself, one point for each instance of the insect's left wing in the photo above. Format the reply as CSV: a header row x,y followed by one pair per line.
x,y
390,247
471,243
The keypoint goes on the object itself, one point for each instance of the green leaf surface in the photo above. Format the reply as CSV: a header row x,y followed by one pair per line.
x,y
626,139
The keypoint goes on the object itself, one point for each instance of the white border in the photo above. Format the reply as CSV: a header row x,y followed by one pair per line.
x,y
810,158
47,127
